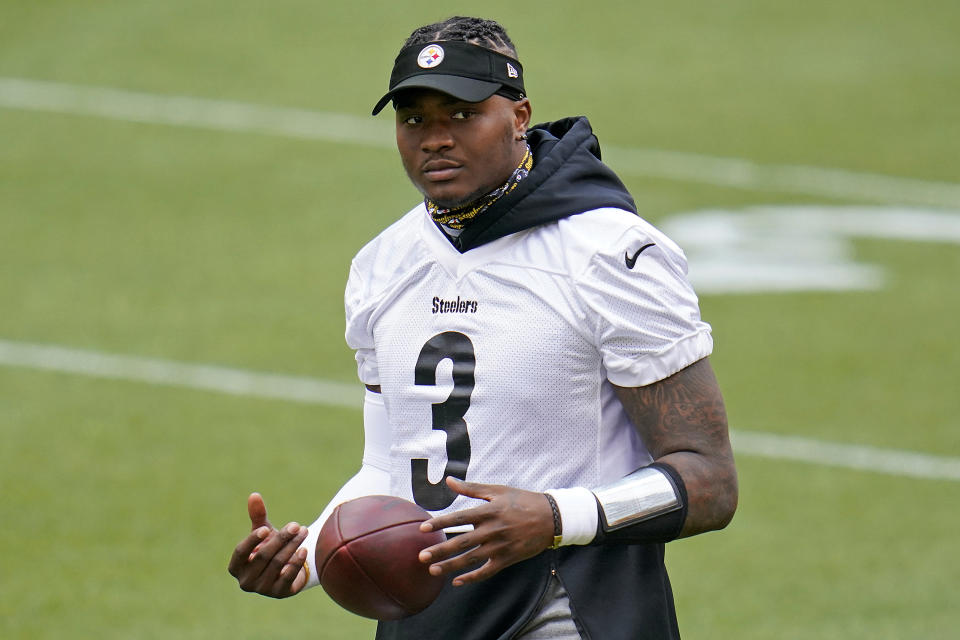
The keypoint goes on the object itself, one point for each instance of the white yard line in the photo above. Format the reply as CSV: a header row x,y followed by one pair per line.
x,y
795,179
314,391
894,462
179,374
184,111
118,104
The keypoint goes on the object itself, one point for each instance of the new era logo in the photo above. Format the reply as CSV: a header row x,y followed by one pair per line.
x,y
512,71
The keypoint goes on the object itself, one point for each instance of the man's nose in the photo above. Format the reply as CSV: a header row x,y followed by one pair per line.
x,y
436,137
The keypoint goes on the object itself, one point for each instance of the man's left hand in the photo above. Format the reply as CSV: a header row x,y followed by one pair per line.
x,y
512,526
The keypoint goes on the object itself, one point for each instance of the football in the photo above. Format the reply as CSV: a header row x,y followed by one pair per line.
x,y
367,562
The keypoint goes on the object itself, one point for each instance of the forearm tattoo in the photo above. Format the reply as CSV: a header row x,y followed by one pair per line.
x,y
682,421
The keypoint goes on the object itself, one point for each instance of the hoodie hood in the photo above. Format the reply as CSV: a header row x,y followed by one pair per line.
x,y
567,178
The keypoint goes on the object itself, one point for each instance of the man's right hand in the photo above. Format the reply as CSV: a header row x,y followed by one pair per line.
x,y
267,561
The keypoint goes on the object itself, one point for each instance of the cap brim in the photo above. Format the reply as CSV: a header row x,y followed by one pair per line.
x,y
466,89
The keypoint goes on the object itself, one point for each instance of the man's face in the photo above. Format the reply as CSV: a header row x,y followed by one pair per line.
x,y
455,151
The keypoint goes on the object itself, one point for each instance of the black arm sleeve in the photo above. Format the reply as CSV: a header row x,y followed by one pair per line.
x,y
658,529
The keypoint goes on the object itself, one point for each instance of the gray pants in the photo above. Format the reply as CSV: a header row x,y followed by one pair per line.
x,y
554,621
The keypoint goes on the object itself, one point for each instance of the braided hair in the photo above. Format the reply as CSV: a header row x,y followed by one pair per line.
x,y
486,33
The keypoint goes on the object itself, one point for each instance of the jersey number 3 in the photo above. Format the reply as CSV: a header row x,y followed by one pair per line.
x,y
447,416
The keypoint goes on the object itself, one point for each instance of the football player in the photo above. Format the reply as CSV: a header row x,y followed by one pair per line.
x,y
536,368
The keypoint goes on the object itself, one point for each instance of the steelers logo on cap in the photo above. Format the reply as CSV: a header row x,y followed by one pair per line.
x,y
430,57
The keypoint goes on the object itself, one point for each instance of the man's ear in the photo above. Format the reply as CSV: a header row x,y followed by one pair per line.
x,y
522,113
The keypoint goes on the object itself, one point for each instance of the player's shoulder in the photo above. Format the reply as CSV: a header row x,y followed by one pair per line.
x,y
599,226
395,251
611,235
400,233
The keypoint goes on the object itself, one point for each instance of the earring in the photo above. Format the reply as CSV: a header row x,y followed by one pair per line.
x,y
523,136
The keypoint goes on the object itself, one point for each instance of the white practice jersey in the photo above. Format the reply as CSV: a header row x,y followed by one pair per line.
x,y
495,365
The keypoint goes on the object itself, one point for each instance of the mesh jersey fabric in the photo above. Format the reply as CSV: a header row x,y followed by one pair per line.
x,y
536,325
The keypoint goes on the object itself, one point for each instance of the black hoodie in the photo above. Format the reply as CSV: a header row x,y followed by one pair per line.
x,y
567,178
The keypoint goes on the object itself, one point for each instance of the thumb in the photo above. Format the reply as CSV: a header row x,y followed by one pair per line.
x,y
257,511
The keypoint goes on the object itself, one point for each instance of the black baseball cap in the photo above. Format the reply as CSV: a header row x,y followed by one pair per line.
x,y
465,71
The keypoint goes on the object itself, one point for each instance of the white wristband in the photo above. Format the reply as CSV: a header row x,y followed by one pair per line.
x,y
578,511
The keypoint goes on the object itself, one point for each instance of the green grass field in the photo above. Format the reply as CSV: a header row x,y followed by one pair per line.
x,y
201,242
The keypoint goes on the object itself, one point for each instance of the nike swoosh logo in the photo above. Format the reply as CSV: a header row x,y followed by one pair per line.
x,y
632,261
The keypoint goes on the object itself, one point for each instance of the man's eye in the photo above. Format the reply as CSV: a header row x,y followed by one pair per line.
x,y
460,115
412,120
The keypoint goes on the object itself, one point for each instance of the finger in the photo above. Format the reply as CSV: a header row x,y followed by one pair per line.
x,y
284,568
293,576
456,519
274,543
474,489
257,511
455,546
466,516
478,558
488,570
242,551
475,559
275,553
